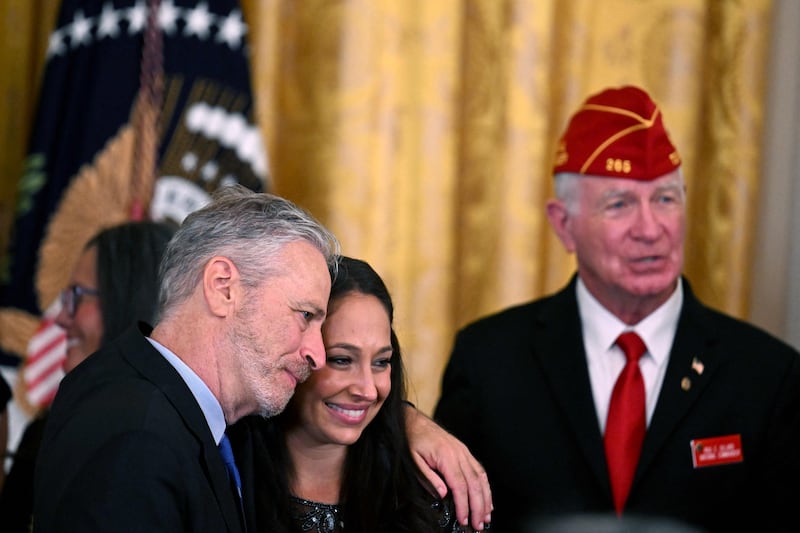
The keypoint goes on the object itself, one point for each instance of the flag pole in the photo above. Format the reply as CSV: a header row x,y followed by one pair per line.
x,y
146,115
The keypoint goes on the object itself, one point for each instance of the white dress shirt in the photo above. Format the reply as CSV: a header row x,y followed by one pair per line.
x,y
209,404
606,360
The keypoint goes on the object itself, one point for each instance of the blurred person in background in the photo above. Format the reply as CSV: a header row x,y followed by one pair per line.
x,y
113,285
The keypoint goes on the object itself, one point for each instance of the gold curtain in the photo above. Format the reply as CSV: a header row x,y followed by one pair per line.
x,y
422,133
24,27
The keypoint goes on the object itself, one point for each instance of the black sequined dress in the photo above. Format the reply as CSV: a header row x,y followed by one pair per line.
x,y
315,517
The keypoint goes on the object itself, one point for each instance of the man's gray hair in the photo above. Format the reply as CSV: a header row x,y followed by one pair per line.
x,y
248,228
567,189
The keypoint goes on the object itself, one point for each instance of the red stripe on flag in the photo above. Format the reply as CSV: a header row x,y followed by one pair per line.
x,y
44,364
41,359
55,364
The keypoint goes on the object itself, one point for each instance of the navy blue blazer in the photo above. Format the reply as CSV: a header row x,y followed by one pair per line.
x,y
516,391
126,448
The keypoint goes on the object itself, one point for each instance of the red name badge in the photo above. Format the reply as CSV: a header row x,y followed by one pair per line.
x,y
717,451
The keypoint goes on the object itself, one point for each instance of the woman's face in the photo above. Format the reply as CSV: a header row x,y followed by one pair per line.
x,y
84,328
339,400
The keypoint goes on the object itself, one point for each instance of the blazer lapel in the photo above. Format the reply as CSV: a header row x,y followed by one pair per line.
x,y
151,364
562,356
692,364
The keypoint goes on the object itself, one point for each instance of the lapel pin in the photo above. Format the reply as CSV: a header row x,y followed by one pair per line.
x,y
698,366
686,384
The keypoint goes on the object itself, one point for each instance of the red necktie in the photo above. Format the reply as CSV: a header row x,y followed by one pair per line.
x,y
626,423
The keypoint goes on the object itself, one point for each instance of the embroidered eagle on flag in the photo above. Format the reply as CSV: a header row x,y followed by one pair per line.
x,y
145,108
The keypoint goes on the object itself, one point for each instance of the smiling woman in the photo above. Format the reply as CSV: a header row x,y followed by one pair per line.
x,y
114,284
339,456
341,400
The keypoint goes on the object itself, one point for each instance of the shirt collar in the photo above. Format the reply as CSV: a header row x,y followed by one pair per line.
x,y
601,328
208,403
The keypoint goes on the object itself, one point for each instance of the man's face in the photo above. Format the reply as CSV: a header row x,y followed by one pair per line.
x,y
628,237
278,329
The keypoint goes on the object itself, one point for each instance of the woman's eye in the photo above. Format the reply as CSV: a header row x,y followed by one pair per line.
x,y
337,360
382,363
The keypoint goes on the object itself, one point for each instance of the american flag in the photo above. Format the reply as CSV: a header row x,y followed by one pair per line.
x,y
79,176
43,367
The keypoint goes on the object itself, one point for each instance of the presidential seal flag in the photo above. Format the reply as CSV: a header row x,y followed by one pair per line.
x,y
145,108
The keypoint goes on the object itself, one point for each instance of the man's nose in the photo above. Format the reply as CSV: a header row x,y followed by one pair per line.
x,y
314,352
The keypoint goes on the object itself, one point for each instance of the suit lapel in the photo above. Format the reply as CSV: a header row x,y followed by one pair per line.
x,y
692,364
152,365
561,353
562,356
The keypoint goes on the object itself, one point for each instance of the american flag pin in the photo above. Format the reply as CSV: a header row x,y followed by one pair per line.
x,y
698,366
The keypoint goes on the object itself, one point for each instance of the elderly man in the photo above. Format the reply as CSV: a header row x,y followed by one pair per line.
x,y
622,394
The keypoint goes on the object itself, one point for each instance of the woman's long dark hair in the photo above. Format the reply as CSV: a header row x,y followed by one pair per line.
x,y
128,256
382,489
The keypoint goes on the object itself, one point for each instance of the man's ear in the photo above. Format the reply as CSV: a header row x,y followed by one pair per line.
x,y
220,285
560,219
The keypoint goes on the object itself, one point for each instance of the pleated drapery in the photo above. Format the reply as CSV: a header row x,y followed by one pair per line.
x,y
422,133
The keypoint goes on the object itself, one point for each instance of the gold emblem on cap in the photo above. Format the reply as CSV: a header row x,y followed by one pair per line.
x,y
618,165
561,154
686,384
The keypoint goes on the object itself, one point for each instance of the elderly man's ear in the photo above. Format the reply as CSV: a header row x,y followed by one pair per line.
x,y
221,286
561,221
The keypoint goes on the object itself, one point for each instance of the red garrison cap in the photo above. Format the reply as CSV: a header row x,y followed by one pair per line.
x,y
617,133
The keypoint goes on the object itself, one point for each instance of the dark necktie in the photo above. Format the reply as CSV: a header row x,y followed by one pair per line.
x,y
626,422
227,456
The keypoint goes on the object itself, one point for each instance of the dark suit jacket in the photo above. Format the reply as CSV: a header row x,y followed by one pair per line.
x,y
517,392
16,498
127,448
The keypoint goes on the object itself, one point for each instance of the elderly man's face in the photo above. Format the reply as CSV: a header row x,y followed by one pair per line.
x,y
628,237
279,329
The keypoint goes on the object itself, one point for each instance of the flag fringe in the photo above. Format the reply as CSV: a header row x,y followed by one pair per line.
x,y
16,329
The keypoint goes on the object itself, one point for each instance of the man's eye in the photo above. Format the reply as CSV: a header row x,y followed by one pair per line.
x,y
307,315
667,199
